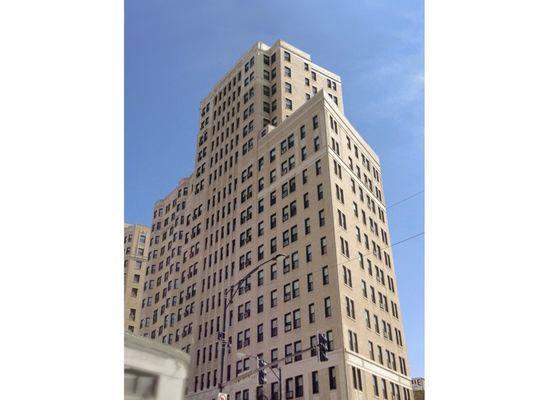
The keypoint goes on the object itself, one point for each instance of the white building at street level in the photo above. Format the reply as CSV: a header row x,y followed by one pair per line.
x,y
153,370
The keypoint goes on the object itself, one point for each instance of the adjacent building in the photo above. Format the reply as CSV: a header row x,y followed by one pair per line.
x,y
153,370
136,242
418,388
279,170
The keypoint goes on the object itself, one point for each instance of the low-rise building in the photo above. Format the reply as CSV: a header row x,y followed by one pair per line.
x,y
153,370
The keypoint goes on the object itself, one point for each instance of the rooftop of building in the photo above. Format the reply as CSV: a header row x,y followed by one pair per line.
x,y
264,47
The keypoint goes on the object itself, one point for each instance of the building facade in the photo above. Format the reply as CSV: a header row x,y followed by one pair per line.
x,y
279,171
136,242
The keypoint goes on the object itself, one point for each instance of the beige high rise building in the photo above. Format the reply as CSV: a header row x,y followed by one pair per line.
x,y
279,171
136,242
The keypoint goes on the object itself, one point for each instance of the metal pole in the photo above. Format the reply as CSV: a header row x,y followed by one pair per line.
x,y
280,384
232,290
223,343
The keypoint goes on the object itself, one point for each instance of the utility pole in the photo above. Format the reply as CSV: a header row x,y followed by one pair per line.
x,y
229,293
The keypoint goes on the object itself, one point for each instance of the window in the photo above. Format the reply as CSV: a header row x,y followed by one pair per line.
x,y
299,385
287,56
273,176
315,122
137,383
327,307
318,167
312,316
274,327
316,143
344,248
273,272
304,153
347,276
288,322
332,378
273,298
312,345
273,221
375,384
325,275
321,218
306,200
310,282
323,246
287,71
353,345
320,191
274,391
363,287
260,304
259,333
289,388
288,104
288,87
314,381
357,379
350,307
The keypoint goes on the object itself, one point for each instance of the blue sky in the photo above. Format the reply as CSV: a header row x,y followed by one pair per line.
x,y
176,51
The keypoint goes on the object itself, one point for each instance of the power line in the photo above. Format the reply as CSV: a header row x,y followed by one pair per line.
x,y
405,199
388,247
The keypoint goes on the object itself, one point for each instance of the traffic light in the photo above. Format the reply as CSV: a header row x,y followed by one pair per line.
x,y
261,374
322,346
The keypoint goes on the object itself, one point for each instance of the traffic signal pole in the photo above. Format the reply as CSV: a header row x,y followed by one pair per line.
x,y
229,293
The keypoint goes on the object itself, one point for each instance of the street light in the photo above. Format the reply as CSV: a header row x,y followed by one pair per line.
x,y
229,293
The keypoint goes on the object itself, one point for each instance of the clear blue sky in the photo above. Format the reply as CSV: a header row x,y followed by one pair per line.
x,y
176,51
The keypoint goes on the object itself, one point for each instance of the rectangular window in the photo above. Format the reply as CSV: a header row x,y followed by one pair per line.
x,y
288,104
314,382
315,122
288,87
332,378
357,379
312,316
375,384
327,307
274,327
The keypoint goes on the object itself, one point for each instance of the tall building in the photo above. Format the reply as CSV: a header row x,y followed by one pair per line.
x,y
279,171
136,242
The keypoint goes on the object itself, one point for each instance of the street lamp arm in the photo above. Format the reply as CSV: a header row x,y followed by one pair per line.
x,y
236,286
